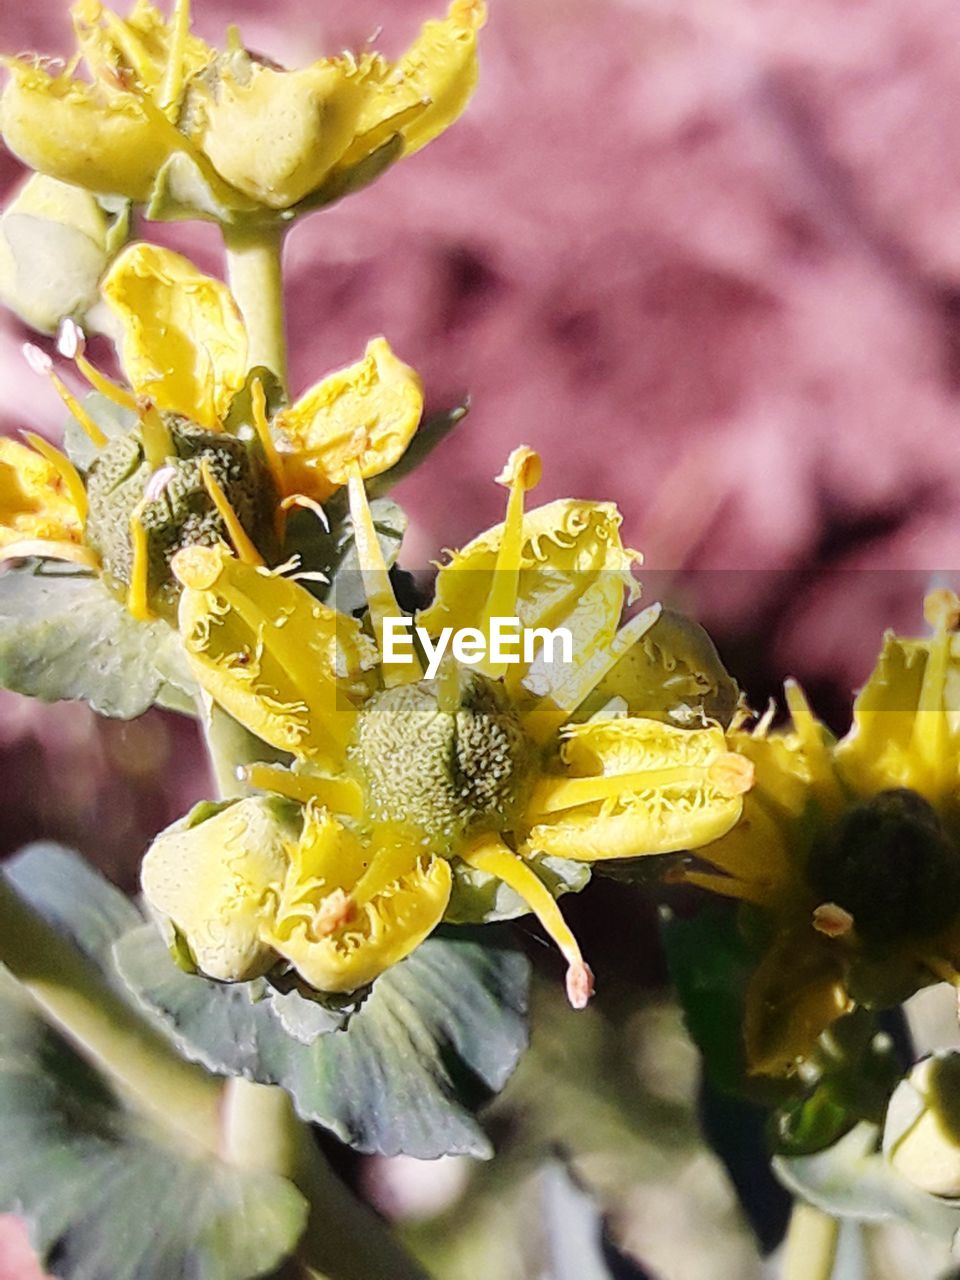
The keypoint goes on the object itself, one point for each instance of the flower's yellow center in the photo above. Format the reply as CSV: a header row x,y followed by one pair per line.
x,y
451,766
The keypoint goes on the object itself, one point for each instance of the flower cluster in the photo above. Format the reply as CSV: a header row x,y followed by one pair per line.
x,y
847,860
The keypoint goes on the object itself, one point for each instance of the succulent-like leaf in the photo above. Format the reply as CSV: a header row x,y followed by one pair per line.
x,y
64,636
103,1191
439,1033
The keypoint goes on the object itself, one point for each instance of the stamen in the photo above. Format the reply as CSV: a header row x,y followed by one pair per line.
x,y
71,343
128,45
832,921
823,776
70,551
65,469
491,855
522,473
726,886
376,580
339,795
942,969
309,504
41,363
158,443
731,774
173,75
928,739
552,711
138,591
242,543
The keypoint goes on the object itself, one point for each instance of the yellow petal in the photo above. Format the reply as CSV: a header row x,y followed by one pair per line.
x,y
276,659
796,992
341,930
574,571
217,883
184,345
366,413
906,720
72,131
439,70
35,498
638,787
275,135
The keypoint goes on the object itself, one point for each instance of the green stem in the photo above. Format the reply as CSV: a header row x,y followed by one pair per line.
x,y
811,1247
138,1061
255,272
344,1239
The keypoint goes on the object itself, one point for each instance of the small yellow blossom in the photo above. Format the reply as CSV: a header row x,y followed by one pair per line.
x,y
261,882
254,134
849,853
482,767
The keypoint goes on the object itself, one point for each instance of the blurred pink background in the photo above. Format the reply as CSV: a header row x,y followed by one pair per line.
x,y
704,256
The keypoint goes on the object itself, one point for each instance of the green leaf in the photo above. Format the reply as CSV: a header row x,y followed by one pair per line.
x,y
64,636
72,897
333,551
852,1179
438,1033
710,962
430,433
103,1191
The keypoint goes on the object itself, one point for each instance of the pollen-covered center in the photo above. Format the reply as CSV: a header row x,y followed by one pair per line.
x,y
892,867
172,501
452,773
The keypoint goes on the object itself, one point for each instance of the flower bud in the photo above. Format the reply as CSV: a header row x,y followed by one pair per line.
x,y
921,1137
213,877
55,243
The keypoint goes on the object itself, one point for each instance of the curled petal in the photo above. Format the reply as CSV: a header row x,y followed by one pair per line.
x,y
215,880
573,573
36,501
638,787
184,345
276,659
427,89
365,414
341,925
73,131
275,135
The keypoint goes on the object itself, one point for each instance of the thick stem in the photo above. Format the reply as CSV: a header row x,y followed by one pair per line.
x,y
811,1247
344,1240
255,270
136,1059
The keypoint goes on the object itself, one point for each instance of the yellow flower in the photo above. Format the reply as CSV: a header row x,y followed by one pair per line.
x,y
164,110
849,853
183,346
483,764
259,882
42,500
